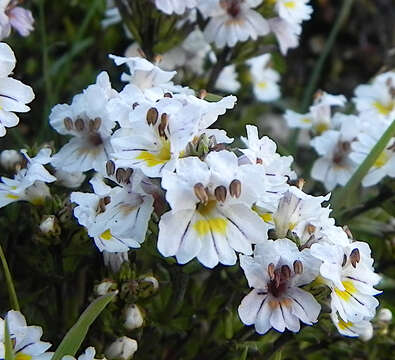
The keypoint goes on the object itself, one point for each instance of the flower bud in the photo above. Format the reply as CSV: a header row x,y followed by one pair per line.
x,y
133,317
367,333
115,260
9,159
147,286
384,315
105,287
48,225
37,193
71,180
121,349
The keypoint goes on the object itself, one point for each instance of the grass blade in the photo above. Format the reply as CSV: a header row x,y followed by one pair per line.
x,y
10,284
9,352
76,335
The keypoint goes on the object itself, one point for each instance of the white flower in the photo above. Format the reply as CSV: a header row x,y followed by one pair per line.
x,y
14,16
90,124
287,34
133,317
227,80
71,180
116,218
264,79
25,339
378,98
319,118
175,6
47,226
362,329
232,21
275,273
293,11
384,315
89,354
9,159
211,214
149,78
122,349
29,182
14,94
112,15
334,165
160,131
114,260
348,271
384,164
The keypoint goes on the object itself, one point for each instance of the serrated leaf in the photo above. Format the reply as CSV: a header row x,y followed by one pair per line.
x,y
76,335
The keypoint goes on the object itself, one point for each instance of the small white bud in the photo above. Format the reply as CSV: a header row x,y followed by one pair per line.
x,y
105,287
9,159
47,226
37,193
70,180
121,349
384,315
115,260
367,333
154,281
133,317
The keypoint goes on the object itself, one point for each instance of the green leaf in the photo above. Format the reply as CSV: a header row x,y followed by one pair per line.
x,y
10,284
76,335
244,354
9,352
341,198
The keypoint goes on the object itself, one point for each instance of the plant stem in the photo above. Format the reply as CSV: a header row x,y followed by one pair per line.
x,y
279,344
10,284
317,70
343,195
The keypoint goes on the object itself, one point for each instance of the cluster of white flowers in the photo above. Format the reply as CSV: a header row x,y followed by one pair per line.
x,y
151,147
232,21
344,141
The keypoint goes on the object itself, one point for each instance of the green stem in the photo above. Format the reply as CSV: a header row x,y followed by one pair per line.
x,y
341,198
10,285
317,70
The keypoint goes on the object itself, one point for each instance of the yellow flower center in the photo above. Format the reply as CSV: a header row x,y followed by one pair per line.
x,y
262,85
154,159
321,127
290,4
344,325
384,109
381,160
22,356
214,225
106,235
350,289
12,196
266,217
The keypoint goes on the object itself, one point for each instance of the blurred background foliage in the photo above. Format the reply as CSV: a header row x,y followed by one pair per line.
x,y
194,313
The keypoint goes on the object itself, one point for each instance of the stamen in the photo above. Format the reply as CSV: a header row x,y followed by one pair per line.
x,y
121,175
285,272
220,193
310,229
79,124
355,257
298,267
344,260
164,120
107,200
110,167
96,124
300,183
202,93
259,161
68,123
200,193
129,172
235,188
152,116
270,271
167,95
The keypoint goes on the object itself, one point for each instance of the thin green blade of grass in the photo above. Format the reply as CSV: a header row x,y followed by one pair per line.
x,y
10,284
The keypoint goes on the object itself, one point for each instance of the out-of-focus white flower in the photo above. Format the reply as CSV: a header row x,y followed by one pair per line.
x,y
122,349
348,271
384,164
25,339
275,273
264,79
112,15
377,99
114,260
47,226
14,95
89,354
29,183
90,124
71,180
334,165
227,80
175,6
287,34
293,11
319,118
232,21
133,317
384,315
14,16
211,214
9,159
116,218
362,329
